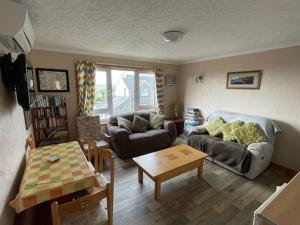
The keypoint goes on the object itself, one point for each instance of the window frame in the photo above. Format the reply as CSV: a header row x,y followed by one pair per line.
x,y
107,112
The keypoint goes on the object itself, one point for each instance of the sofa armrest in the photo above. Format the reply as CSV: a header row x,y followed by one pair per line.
x,y
197,130
118,134
171,128
261,155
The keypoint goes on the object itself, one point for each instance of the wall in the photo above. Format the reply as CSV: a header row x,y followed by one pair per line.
x,y
46,59
13,135
277,99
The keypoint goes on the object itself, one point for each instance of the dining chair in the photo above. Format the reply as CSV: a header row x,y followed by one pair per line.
x,y
90,127
28,146
89,201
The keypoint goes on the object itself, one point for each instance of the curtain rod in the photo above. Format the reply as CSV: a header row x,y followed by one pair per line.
x,y
124,66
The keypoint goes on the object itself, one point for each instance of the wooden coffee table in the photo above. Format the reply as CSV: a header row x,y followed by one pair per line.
x,y
168,163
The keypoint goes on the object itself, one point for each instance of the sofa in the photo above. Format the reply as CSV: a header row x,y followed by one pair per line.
x,y
249,161
131,145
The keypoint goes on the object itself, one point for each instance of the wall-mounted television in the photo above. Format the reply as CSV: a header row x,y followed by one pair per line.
x,y
23,81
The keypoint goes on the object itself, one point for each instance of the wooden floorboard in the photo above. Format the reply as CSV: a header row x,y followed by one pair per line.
x,y
220,198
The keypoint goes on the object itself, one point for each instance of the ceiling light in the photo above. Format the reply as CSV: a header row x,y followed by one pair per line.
x,y
172,36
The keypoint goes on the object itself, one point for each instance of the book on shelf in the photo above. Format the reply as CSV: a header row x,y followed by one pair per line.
x,y
47,101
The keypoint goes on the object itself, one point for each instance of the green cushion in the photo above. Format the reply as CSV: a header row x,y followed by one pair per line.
x,y
156,121
139,124
248,134
124,123
227,129
214,125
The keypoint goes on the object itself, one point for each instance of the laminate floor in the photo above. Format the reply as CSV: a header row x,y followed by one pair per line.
x,y
220,198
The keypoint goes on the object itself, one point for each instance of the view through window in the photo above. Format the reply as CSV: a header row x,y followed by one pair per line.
x,y
123,90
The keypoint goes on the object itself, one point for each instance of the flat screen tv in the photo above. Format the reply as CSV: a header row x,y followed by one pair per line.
x,y
22,83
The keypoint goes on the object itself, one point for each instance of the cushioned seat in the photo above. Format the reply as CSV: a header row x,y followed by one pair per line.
x,y
128,145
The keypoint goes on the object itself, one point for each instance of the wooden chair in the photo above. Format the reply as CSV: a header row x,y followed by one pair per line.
x,y
94,196
28,146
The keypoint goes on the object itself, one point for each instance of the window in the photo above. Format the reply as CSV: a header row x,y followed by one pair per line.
x,y
123,90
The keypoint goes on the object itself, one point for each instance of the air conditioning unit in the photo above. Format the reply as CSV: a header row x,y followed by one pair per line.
x,y
16,32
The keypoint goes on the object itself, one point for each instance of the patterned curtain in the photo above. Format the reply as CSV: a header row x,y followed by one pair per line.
x,y
159,90
86,72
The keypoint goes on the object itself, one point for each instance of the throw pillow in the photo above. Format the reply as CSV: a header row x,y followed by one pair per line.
x,y
248,134
228,128
124,123
214,125
139,124
156,121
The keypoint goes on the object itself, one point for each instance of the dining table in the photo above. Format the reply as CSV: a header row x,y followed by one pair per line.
x,y
44,180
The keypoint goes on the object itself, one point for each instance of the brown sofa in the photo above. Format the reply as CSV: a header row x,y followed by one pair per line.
x,y
131,145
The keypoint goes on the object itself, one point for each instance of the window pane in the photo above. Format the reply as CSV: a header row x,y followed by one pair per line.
x,y
123,91
147,90
100,91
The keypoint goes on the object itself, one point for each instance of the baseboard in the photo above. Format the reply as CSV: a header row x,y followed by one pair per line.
x,y
284,169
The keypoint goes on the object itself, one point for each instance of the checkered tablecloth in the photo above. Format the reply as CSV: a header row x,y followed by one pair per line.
x,y
43,181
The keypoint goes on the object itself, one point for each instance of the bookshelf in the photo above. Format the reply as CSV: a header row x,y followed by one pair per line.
x,y
50,121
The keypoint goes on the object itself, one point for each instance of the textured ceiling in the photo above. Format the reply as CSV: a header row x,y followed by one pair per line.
x,y
132,28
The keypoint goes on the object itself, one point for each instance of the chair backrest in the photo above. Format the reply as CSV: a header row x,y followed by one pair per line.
x,y
100,154
84,202
28,146
89,127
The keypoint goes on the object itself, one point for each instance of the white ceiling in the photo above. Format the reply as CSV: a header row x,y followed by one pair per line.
x,y
132,28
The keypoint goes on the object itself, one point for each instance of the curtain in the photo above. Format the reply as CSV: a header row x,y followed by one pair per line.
x,y
159,76
86,72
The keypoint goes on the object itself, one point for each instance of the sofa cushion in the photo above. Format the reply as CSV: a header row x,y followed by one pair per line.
x,y
248,134
214,125
156,121
124,123
139,124
227,129
139,141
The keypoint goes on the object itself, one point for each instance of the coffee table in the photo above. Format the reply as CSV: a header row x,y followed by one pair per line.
x,y
168,163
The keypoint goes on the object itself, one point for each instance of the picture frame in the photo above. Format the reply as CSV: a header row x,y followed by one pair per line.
x,y
170,80
27,119
244,79
52,80
30,80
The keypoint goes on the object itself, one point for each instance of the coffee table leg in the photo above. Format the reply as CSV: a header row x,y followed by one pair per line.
x,y
140,174
157,190
200,170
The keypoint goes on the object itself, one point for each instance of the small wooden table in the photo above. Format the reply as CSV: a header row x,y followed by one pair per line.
x,y
168,163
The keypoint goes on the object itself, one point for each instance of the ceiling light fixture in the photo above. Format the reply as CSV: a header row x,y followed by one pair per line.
x,y
172,36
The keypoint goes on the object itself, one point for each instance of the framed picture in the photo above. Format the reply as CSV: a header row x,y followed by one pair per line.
x,y
244,80
30,81
27,118
170,79
52,80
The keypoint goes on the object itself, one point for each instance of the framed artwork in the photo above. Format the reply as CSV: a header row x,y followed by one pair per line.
x,y
170,79
27,118
52,80
244,80
30,81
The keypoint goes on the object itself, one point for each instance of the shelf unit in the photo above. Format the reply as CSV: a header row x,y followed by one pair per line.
x,y
50,121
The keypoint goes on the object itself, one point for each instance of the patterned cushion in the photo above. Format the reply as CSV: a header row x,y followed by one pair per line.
x,y
248,134
89,127
124,123
227,129
214,125
156,121
139,124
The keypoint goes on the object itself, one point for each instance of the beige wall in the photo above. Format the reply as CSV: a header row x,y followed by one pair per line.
x,y
277,99
13,136
56,60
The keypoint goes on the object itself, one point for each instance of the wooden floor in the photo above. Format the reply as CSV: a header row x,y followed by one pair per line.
x,y
221,198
